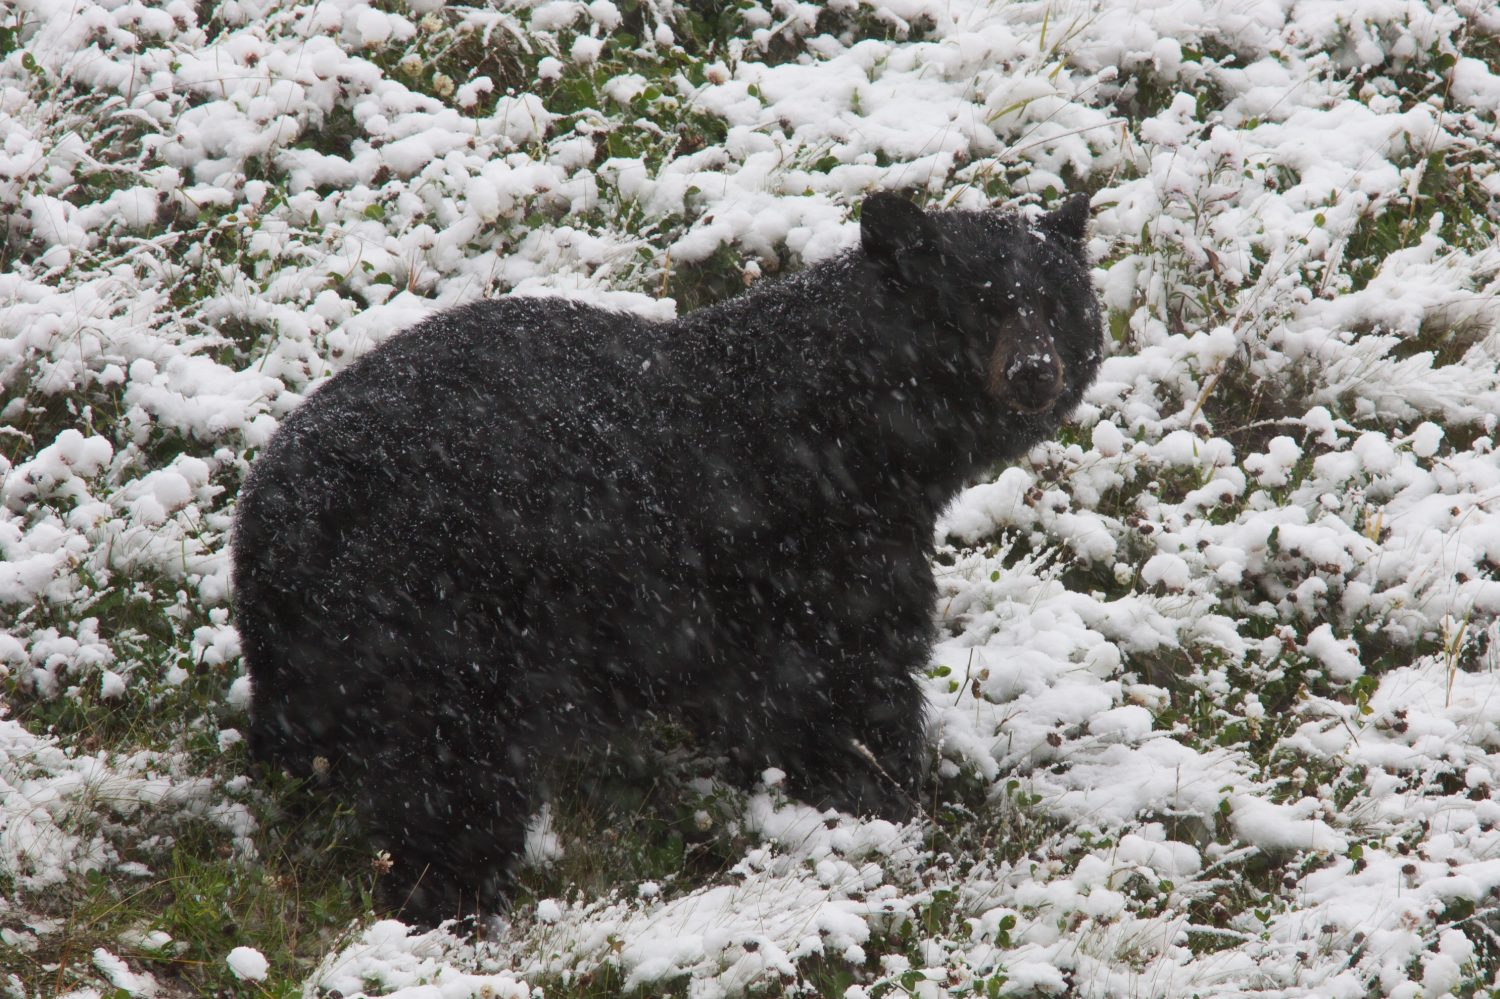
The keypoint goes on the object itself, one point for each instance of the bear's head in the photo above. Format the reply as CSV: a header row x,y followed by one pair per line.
x,y
1016,296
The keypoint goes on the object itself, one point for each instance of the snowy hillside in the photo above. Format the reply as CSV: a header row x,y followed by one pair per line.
x,y
1217,701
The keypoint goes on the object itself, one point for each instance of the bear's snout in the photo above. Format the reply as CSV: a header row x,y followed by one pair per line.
x,y
1025,371
1034,382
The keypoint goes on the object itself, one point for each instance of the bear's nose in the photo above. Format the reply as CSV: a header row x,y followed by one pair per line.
x,y
1025,371
1034,381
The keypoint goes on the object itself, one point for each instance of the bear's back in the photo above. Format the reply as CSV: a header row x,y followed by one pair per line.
x,y
447,453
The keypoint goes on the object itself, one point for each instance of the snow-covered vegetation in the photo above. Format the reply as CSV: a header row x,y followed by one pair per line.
x,y
1217,704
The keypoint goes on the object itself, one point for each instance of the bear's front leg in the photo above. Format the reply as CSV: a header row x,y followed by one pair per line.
x,y
859,747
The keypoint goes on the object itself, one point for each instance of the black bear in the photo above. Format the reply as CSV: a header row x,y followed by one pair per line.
x,y
524,525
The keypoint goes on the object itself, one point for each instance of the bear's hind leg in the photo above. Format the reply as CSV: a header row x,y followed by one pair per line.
x,y
454,823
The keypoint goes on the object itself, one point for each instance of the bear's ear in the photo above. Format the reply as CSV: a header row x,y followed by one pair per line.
x,y
1070,219
890,227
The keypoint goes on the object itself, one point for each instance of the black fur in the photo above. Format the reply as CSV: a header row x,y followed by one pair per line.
x,y
524,524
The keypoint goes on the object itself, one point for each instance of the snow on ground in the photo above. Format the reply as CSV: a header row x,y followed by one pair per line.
x,y
65,810
1223,657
